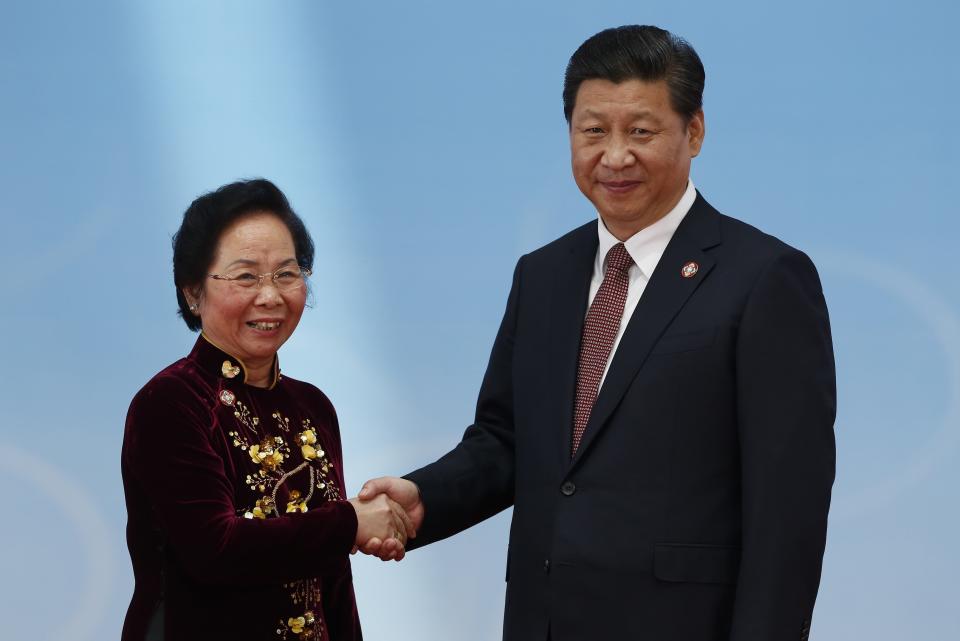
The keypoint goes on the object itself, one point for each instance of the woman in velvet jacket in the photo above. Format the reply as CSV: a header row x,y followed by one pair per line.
x,y
238,527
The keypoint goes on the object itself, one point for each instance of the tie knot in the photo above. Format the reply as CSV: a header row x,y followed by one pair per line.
x,y
618,259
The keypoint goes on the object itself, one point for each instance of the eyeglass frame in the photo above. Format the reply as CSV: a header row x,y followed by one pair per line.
x,y
305,273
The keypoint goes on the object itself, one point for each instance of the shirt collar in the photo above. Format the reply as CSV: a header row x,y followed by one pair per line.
x,y
221,363
647,245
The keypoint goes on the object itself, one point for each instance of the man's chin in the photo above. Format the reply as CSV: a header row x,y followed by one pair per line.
x,y
622,215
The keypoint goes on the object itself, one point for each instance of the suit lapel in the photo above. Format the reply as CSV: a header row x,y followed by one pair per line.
x,y
663,298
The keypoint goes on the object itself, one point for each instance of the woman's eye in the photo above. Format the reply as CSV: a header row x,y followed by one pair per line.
x,y
245,276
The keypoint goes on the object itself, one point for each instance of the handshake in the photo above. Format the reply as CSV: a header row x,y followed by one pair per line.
x,y
389,512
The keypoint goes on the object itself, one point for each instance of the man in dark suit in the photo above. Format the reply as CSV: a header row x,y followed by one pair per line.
x,y
659,403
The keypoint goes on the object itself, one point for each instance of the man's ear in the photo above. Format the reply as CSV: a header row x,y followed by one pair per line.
x,y
696,130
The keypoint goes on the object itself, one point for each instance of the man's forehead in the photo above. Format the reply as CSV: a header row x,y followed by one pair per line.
x,y
633,98
632,110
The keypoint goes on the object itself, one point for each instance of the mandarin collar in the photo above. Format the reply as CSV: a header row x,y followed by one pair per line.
x,y
222,364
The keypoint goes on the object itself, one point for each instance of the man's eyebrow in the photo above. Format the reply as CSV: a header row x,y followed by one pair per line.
x,y
590,113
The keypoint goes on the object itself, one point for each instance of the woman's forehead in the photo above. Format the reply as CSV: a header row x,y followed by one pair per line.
x,y
256,238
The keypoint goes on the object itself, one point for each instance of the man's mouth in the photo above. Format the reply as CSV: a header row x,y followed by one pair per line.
x,y
619,186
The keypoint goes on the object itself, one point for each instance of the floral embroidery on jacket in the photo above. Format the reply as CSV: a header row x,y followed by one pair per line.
x,y
272,455
308,626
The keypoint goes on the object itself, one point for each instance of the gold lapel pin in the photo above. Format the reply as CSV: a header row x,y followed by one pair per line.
x,y
230,370
690,269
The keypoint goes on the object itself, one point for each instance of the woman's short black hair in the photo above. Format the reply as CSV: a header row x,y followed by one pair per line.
x,y
209,215
641,52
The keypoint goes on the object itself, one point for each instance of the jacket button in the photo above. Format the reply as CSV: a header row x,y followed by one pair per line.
x,y
568,488
546,566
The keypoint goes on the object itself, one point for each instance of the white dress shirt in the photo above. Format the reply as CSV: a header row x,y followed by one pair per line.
x,y
645,247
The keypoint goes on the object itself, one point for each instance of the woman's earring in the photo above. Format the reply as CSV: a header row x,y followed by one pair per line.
x,y
194,307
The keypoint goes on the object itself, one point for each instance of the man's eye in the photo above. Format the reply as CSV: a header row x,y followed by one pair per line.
x,y
593,130
640,131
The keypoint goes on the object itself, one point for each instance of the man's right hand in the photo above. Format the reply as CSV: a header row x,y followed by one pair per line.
x,y
407,495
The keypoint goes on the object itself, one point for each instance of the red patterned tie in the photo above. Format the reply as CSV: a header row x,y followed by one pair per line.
x,y
599,331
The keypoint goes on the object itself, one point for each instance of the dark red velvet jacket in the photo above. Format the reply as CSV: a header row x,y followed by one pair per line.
x,y
204,457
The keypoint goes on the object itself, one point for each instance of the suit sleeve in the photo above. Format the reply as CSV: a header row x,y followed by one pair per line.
x,y
475,480
786,402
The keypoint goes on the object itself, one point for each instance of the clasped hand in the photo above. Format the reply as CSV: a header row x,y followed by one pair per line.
x,y
389,512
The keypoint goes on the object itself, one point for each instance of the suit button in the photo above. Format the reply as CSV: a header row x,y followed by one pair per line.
x,y
546,566
568,488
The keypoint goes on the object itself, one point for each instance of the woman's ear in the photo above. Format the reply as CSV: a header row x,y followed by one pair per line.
x,y
194,297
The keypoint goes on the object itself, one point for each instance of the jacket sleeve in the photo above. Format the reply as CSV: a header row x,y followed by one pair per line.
x,y
475,480
168,453
786,403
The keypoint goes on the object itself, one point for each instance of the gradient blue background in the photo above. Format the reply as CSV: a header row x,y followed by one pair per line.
x,y
424,144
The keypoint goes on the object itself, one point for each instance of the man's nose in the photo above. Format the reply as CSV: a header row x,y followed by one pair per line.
x,y
618,154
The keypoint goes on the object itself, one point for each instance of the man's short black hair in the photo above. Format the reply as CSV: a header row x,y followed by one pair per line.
x,y
638,52
206,219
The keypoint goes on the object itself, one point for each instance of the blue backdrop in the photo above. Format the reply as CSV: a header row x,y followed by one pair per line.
x,y
424,144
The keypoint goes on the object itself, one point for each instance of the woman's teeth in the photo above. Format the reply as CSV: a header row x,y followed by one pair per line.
x,y
264,326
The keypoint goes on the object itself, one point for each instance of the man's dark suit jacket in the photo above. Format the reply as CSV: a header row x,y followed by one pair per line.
x,y
696,507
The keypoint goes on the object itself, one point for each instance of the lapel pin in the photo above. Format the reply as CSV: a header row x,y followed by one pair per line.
x,y
690,270
229,369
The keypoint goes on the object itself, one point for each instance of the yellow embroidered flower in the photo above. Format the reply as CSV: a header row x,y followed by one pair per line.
x,y
296,624
266,454
295,504
263,507
308,438
229,370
